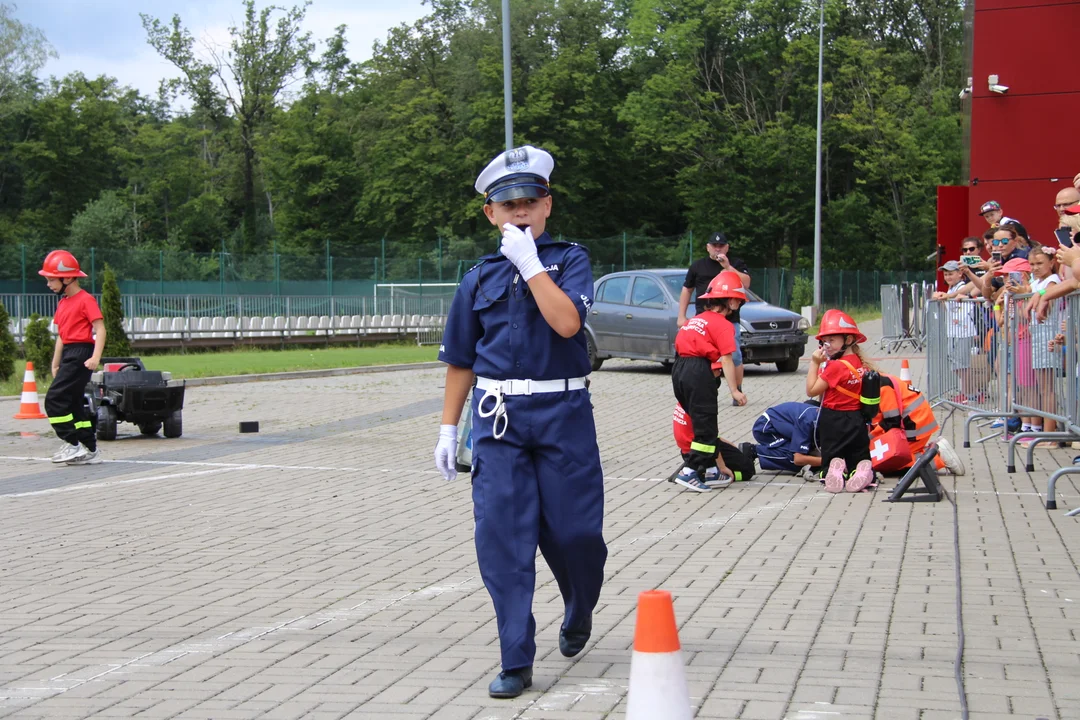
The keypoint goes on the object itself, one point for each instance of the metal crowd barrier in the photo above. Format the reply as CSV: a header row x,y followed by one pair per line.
x,y
903,309
964,348
1002,363
1038,381
1070,327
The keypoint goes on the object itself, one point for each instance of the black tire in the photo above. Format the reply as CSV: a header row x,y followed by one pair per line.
x,y
150,428
174,424
106,422
790,364
594,360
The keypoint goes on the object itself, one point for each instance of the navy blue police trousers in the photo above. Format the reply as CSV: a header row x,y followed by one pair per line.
x,y
540,485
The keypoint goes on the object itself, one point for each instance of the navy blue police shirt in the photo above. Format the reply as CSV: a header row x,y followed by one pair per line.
x,y
495,327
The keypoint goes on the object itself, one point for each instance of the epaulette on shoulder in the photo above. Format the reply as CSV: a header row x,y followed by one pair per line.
x,y
570,244
473,267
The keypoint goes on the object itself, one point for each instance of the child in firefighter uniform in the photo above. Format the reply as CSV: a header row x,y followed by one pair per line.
x,y
80,342
707,338
905,408
732,464
836,374
514,338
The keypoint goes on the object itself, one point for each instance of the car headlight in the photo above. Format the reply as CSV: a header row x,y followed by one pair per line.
x,y
804,324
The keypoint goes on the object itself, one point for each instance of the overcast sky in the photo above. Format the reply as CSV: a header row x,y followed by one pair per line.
x,y
105,37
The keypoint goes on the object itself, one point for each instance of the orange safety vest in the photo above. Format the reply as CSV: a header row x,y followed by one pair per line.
x,y
917,417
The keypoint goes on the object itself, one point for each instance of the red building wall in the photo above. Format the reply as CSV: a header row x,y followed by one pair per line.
x,y
1025,145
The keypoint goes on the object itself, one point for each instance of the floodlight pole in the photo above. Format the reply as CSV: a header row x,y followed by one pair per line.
x,y
817,169
508,97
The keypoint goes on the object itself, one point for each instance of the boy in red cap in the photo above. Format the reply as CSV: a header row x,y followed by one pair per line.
x,y
705,339
80,341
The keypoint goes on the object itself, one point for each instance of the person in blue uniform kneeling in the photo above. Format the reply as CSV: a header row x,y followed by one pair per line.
x,y
514,338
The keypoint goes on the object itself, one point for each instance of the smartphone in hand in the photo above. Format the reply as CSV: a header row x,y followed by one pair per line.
x,y
995,256
1063,238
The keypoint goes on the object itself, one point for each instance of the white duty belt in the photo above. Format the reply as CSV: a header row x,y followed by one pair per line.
x,y
496,389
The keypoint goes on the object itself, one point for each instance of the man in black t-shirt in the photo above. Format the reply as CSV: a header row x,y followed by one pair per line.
x,y
702,272
698,277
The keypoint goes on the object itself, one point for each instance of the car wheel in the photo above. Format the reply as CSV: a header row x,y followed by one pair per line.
x,y
787,365
106,422
594,360
150,428
174,424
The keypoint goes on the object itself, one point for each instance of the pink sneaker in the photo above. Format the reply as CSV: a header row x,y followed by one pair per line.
x,y
834,478
861,478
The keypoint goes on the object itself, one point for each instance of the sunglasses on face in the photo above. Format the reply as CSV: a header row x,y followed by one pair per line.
x,y
969,249
1004,241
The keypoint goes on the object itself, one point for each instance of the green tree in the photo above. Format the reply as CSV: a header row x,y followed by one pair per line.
x,y
23,51
247,78
68,152
107,221
9,351
38,345
116,340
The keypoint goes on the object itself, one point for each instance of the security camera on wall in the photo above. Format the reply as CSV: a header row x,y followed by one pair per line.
x,y
967,90
995,86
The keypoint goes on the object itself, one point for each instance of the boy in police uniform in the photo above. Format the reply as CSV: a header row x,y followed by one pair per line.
x,y
514,339
80,341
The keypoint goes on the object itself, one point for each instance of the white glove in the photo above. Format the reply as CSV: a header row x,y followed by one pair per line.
x,y
519,248
446,452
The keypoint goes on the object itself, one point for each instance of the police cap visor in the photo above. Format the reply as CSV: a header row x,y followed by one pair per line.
x,y
517,186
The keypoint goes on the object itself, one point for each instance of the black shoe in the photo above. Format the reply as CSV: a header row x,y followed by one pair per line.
x,y
749,450
511,683
571,642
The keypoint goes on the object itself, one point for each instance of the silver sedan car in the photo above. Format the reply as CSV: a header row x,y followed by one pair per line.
x,y
634,315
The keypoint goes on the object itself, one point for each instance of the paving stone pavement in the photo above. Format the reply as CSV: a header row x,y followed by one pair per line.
x,y
322,569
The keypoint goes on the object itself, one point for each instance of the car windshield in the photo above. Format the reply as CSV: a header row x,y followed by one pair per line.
x,y
674,282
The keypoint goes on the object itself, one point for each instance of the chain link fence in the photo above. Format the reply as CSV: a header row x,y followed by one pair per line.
x,y
340,272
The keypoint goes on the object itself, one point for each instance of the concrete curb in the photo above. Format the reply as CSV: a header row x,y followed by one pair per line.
x,y
294,375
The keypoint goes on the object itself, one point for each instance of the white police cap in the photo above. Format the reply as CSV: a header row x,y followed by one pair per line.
x,y
521,172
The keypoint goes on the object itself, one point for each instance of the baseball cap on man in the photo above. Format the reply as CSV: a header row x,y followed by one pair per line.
x,y
988,206
518,173
951,266
717,238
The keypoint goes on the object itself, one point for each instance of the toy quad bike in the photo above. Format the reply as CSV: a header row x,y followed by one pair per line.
x,y
125,391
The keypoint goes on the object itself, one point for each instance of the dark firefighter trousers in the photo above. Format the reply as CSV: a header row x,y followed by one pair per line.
x,y
843,434
695,389
64,405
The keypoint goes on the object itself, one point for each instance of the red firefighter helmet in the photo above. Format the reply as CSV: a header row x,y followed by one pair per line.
x,y
727,284
838,322
61,264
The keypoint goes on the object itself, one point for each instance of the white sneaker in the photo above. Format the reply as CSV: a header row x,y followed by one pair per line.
x,y
69,453
89,457
950,457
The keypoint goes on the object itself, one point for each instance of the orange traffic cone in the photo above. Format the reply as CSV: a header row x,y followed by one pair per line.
x,y
657,676
905,371
29,408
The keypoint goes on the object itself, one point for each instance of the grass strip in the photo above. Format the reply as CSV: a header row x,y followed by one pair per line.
x,y
251,361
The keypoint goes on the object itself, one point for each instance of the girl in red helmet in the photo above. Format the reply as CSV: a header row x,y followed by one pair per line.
x,y
836,372
80,342
706,338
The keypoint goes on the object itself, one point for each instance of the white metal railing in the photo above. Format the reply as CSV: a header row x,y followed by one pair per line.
x,y
169,319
